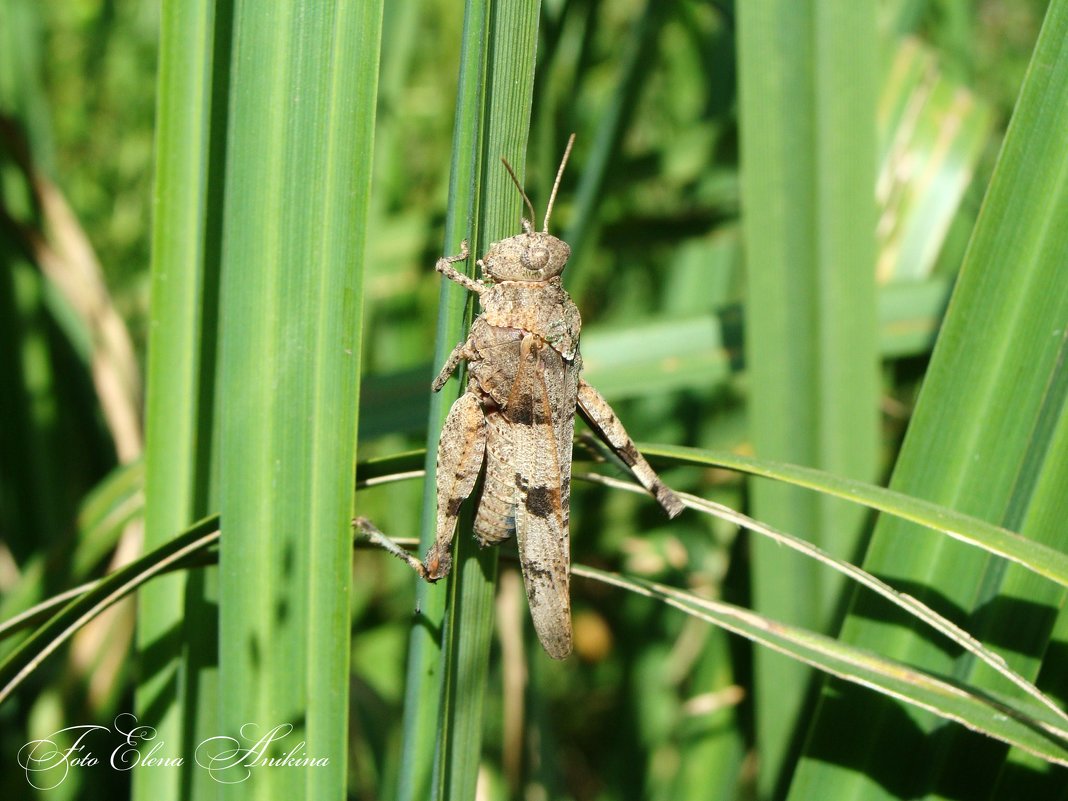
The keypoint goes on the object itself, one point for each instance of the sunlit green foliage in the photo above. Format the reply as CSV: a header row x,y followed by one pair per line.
x,y
654,704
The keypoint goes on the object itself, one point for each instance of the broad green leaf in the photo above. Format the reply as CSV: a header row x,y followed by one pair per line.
x,y
989,439
303,85
808,88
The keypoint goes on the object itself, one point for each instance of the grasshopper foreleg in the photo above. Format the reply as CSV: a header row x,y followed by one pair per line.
x,y
461,449
459,353
596,411
444,266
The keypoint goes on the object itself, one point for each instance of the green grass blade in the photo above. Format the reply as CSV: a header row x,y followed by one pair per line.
x,y
932,133
98,596
301,124
443,701
988,438
1036,557
423,687
176,693
908,604
468,626
808,86
1036,730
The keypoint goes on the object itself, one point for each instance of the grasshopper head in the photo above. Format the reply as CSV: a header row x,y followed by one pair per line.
x,y
533,256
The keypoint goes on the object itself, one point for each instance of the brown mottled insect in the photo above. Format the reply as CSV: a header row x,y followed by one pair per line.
x,y
518,416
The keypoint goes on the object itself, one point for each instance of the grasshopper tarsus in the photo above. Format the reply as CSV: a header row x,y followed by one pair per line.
x,y
436,565
671,502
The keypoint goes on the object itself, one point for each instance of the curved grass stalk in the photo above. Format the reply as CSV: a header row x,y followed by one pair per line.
x,y
1034,556
1036,730
909,604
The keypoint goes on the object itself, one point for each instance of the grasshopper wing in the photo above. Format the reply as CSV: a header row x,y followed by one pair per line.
x,y
540,416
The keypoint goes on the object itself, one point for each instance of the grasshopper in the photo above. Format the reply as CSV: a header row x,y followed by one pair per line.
x,y
518,417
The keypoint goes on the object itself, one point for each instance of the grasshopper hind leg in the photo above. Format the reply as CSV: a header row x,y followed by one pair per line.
x,y
596,411
461,449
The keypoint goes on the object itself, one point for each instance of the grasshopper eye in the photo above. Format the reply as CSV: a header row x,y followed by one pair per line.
x,y
535,258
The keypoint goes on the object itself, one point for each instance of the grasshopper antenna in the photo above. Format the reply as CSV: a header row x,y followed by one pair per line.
x,y
519,186
556,185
